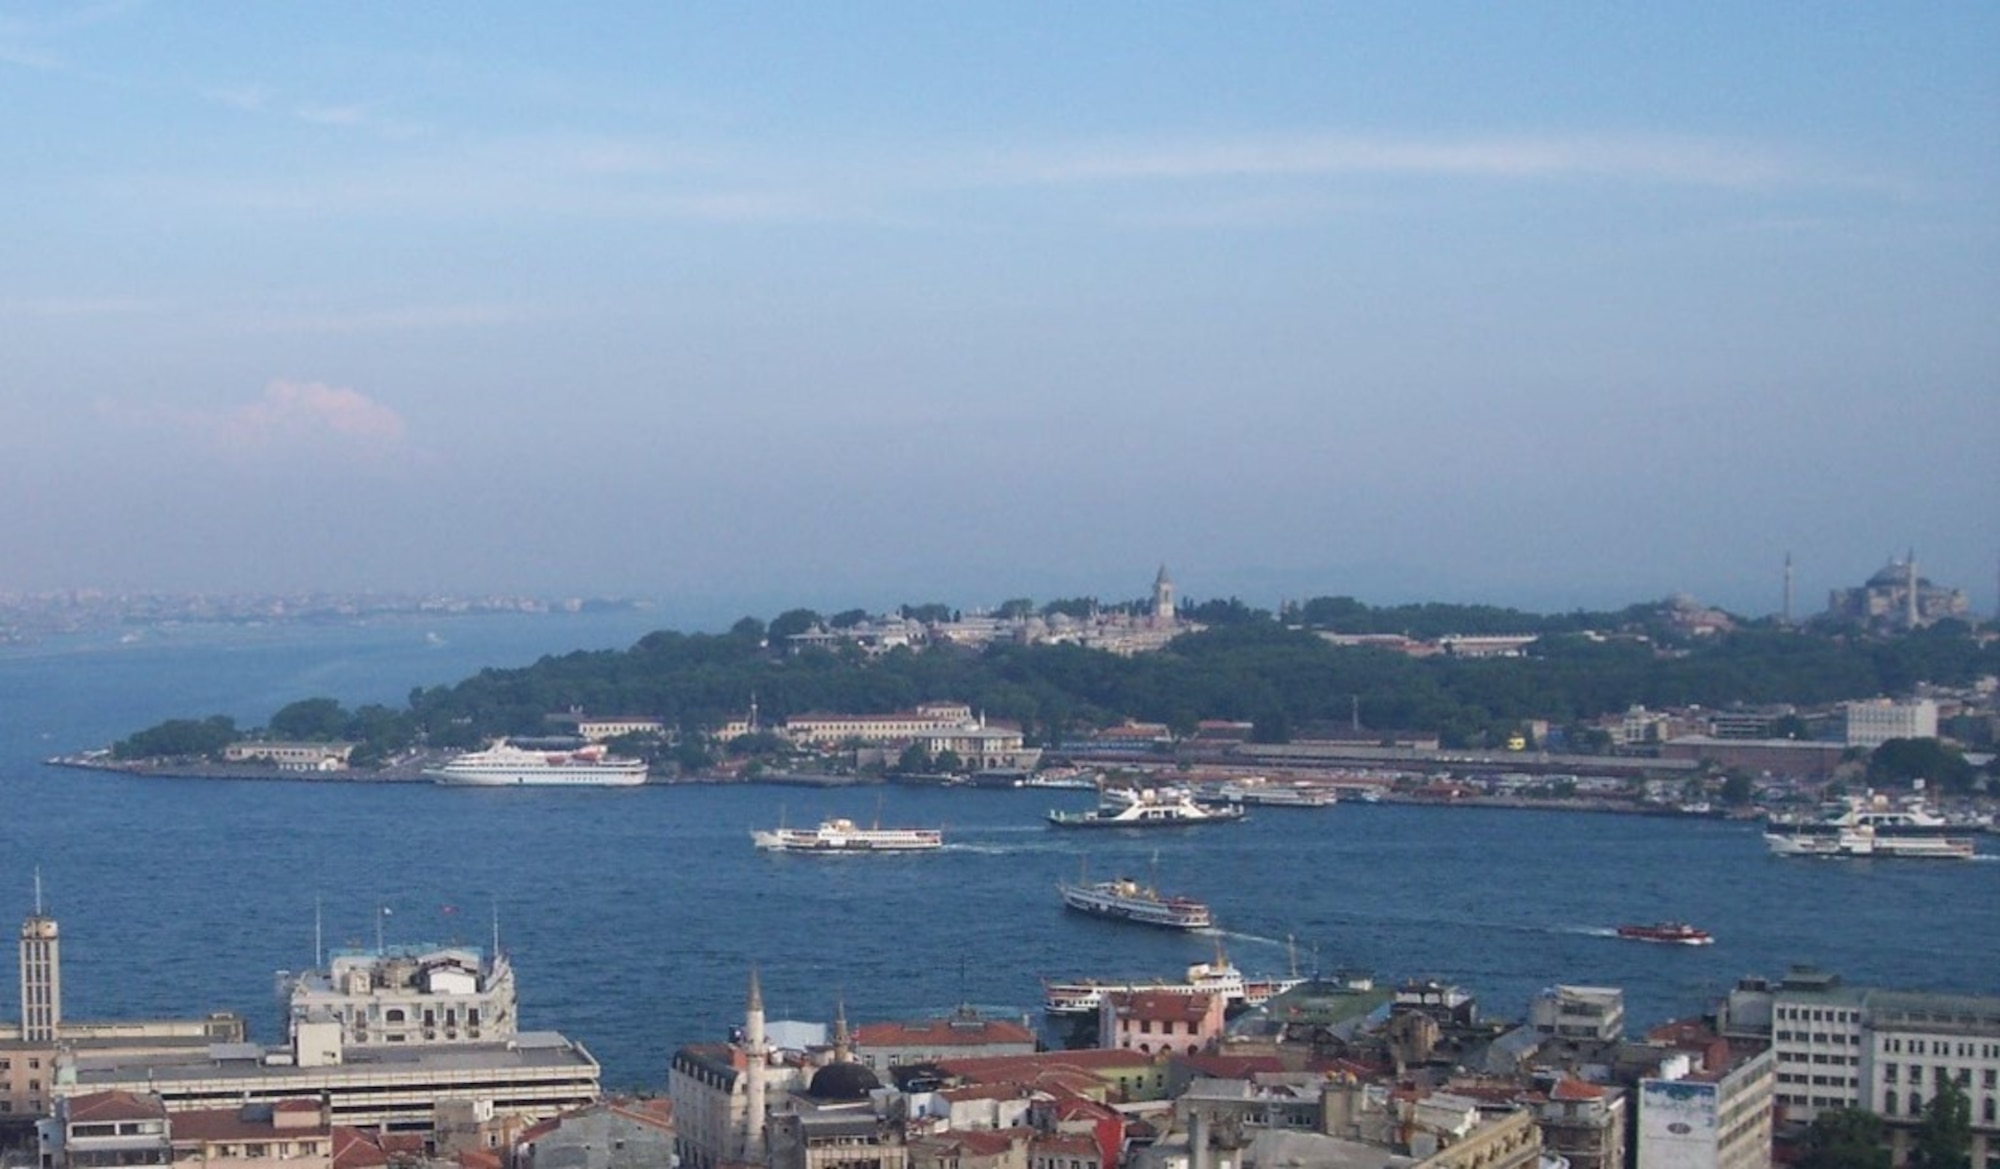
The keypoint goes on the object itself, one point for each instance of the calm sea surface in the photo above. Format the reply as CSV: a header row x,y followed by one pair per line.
x,y
633,916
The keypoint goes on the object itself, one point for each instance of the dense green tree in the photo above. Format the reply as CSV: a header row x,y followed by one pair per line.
x,y
1077,607
1015,608
847,618
927,613
914,760
179,738
1845,1138
1737,789
1899,761
1943,1139
789,622
310,720
1229,612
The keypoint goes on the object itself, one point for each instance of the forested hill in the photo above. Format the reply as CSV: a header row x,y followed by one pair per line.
x,y
1246,666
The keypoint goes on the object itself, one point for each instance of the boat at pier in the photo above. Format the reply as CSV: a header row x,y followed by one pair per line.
x,y
1678,933
844,836
1871,826
505,765
1261,792
1238,991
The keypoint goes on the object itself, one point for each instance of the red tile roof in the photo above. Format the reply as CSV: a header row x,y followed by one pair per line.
x,y
354,1149
233,1124
1089,1061
1161,1005
115,1105
942,1033
1569,1088
1065,1146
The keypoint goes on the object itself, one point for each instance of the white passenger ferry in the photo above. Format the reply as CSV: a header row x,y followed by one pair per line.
x,y
505,765
844,836
1872,825
1146,808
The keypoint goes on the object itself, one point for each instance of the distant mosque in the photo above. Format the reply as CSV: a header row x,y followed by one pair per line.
x,y
1898,598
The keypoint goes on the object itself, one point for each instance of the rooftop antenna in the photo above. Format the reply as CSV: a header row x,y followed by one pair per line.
x,y
496,929
38,890
319,938
381,911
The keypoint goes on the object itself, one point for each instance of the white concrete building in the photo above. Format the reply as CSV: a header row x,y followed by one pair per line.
x,y
1837,1046
1876,721
1712,1119
409,995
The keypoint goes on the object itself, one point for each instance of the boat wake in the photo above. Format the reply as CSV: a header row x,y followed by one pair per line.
x,y
1236,936
1588,931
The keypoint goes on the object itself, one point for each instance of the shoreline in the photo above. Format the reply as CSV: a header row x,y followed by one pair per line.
x,y
413,773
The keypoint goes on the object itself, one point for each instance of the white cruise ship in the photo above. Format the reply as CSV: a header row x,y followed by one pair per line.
x,y
505,765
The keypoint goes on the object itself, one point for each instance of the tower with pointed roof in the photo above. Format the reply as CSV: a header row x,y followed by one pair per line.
x,y
1163,599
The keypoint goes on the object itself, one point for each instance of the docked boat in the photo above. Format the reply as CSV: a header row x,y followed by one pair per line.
x,y
844,836
505,765
1238,991
1129,900
1146,808
1870,826
1260,792
1676,933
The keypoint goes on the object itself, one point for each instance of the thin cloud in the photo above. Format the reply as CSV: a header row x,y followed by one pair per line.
x,y
290,420
448,316
1697,162
300,414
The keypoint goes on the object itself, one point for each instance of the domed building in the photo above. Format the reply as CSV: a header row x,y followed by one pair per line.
x,y
1896,597
843,1083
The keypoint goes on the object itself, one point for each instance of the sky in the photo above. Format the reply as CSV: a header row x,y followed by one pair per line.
x,y
858,304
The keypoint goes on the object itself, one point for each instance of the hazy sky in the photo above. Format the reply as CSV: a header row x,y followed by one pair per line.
x,y
851,303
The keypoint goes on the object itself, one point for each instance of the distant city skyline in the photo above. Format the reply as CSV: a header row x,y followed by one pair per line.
x,y
1541,306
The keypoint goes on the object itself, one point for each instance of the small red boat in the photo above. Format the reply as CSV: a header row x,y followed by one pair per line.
x,y
1678,933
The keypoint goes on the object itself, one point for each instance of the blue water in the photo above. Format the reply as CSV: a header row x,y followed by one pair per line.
x,y
633,916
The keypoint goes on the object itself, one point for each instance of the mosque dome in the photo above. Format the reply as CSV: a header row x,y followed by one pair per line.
x,y
843,1081
1893,573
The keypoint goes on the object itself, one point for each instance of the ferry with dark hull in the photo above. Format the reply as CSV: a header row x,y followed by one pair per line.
x,y
1127,900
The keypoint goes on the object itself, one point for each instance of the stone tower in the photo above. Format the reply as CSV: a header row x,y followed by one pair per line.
x,y
1163,599
41,974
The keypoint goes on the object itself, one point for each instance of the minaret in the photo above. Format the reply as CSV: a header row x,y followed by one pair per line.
x,y
1910,617
1163,599
41,974
842,1044
756,1058
1787,615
